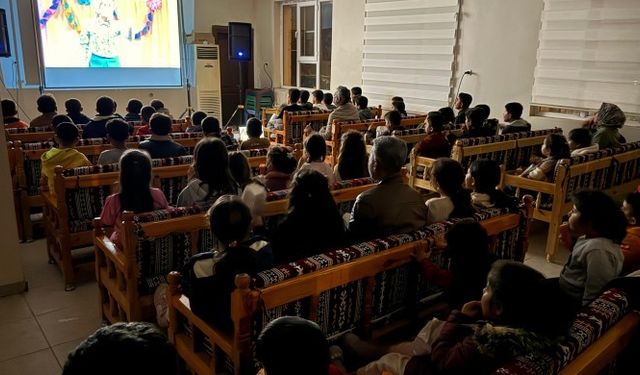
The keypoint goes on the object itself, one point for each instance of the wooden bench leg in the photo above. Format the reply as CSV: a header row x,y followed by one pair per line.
x,y
68,272
552,239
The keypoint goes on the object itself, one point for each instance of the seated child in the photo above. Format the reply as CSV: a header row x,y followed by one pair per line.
x,y
580,142
67,136
196,122
448,117
554,148
467,245
474,124
145,116
483,178
254,193
327,100
133,110
631,244
136,194
59,119
393,122
140,348
158,105
74,111
212,177
280,166
160,145
514,317
398,105
254,131
117,135
10,114
48,107
448,177
318,97
435,144
353,158
512,116
211,128
600,226
97,127
356,92
362,102
304,100
462,105
315,151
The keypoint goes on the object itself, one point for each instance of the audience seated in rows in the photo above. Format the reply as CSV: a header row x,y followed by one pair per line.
x,y
391,207
59,119
580,142
117,135
631,244
352,160
136,194
606,125
317,100
10,114
65,155
211,128
280,166
212,177
455,201
145,116
160,145
554,148
462,105
304,100
49,108
97,127
74,111
123,348
393,122
196,122
475,123
254,131
292,103
363,108
313,224
159,106
482,179
435,144
344,111
134,106
513,121
315,151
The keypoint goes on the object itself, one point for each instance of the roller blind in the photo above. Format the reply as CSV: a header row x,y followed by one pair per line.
x,y
409,52
589,52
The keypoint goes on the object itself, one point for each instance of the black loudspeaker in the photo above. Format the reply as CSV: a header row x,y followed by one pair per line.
x,y
240,41
5,50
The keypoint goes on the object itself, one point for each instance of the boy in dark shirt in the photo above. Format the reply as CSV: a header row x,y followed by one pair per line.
x,y
133,110
160,145
74,111
97,127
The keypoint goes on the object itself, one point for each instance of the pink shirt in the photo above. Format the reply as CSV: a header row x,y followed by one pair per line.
x,y
112,212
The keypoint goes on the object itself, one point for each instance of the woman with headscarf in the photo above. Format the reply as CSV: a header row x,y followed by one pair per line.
x,y
606,124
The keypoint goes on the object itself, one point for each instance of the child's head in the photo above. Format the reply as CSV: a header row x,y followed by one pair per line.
x,y
316,148
73,106
304,96
47,104
318,96
447,114
160,124
292,345
9,108
467,239
146,112
399,107
141,347
475,118
135,180
362,102
67,135
310,194
117,131
631,208
294,96
397,99
393,120
230,220
435,122
448,177
483,176
105,106
352,160
595,214
240,169
556,146
157,104
134,106
485,109
512,111
579,138
463,101
254,128
197,118
356,91
211,125
280,159
211,164
327,99
59,119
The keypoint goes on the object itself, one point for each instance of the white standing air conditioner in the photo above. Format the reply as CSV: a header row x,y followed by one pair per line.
x,y
207,79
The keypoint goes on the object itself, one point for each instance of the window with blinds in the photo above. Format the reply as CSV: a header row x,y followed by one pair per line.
x,y
409,52
589,53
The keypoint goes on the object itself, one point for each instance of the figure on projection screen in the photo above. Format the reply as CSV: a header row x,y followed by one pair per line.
x,y
101,38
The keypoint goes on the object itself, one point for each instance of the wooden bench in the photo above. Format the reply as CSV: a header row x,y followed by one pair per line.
x,y
614,171
362,286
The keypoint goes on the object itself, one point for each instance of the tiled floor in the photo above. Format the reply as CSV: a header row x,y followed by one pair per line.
x,y
39,328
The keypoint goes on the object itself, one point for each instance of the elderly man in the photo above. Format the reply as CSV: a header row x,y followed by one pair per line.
x,y
345,111
392,207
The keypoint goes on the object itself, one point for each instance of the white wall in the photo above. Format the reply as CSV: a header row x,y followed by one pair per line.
x,y
348,36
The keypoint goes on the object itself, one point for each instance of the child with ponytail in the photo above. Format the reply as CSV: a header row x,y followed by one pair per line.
x,y
454,201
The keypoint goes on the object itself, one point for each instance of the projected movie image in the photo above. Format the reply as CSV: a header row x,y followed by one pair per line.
x,y
113,34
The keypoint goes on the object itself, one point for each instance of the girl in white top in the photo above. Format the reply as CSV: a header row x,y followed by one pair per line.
x,y
315,151
454,201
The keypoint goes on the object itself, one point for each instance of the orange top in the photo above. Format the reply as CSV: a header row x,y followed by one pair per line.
x,y
14,123
631,250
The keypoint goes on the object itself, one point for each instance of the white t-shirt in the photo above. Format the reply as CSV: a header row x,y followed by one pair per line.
x,y
439,209
321,167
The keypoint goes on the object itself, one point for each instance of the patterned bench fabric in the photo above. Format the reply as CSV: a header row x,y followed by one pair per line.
x,y
590,324
83,205
32,171
29,130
